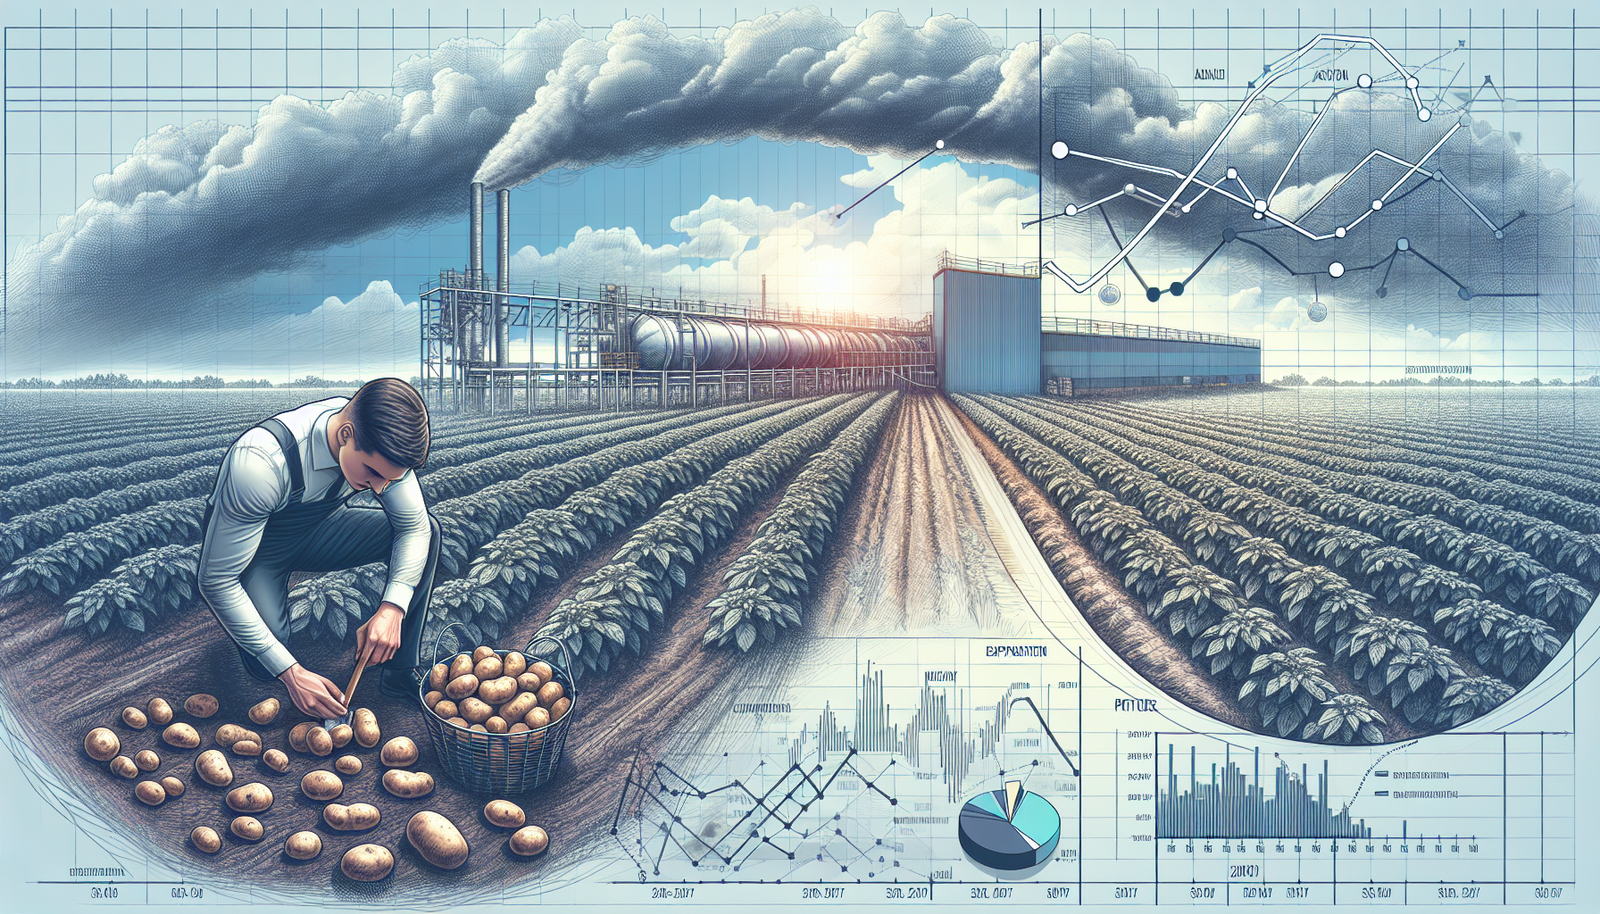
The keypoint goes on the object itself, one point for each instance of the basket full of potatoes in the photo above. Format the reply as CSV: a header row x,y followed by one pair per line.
x,y
498,719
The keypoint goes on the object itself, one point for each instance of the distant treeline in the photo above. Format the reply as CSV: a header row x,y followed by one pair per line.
x,y
1452,380
206,382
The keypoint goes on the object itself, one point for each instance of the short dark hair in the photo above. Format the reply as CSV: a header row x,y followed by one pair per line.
x,y
391,421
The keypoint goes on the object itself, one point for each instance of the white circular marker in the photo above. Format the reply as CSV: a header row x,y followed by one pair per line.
x,y
1411,82
1233,174
1072,209
1423,114
1377,205
939,144
1129,188
1364,81
1338,232
1257,215
1059,149
1186,207
1336,269
1404,244
1261,206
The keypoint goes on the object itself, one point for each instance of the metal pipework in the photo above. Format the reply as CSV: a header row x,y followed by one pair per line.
x,y
502,326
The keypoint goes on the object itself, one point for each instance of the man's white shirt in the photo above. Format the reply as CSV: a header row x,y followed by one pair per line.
x,y
254,482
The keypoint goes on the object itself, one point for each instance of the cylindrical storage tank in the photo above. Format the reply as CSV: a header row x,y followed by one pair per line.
x,y
775,352
717,345
657,342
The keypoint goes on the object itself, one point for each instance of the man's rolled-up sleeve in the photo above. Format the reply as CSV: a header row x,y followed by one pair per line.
x,y
402,501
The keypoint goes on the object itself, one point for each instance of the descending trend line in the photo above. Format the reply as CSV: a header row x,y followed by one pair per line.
x,y
1047,732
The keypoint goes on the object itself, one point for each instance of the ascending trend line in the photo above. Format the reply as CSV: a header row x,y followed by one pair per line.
x,y
1261,206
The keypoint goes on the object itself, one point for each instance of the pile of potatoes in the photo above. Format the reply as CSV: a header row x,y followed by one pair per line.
x,y
486,692
431,833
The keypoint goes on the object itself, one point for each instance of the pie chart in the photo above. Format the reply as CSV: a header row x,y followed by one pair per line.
x,y
1010,828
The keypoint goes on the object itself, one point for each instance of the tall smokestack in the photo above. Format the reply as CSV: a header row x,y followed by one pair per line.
x,y
475,234
502,323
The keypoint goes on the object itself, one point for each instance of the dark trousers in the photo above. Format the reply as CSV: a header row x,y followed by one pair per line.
x,y
331,537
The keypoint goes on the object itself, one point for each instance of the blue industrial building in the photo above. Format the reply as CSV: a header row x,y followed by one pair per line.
x,y
989,336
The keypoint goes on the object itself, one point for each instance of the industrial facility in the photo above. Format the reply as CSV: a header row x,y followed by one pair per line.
x,y
487,346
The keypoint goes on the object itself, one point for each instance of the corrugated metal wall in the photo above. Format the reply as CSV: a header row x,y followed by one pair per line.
x,y
986,332
1094,361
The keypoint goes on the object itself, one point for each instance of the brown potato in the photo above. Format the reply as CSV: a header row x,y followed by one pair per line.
x,y
355,817
518,707
518,727
147,760
159,712
247,748
461,686
408,785
212,766
447,709
252,797
205,839
460,666
488,668
529,682
474,710
319,741
341,735
498,691
276,760
505,814
433,697
264,712
437,839
228,734
297,736
125,767
529,842
536,718
150,793
367,862
479,728
366,727
514,664
457,722
399,752
543,670
483,651
201,705
302,845
181,736
438,676
496,724
550,693
348,764
101,744
321,785
247,827
560,708
134,718
173,787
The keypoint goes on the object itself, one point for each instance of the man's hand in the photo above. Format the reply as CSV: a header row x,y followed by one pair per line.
x,y
379,636
316,695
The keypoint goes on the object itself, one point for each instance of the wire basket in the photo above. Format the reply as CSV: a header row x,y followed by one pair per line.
x,y
502,763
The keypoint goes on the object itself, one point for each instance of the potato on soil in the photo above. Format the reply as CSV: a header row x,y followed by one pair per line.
x,y
408,785
550,693
399,752
366,727
265,712
212,766
228,734
483,651
438,676
147,760
461,686
348,764
474,710
367,862
181,736
505,814
252,797
297,736
321,785
355,817
150,793
447,709
529,682
432,698
488,668
201,705
341,735
246,748
159,712
247,827
437,839
536,718
205,839
543,670
498,691
125,767
135,718
529,842
560,708
319,741
514,664
276,759
173,787
101,744
303,845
